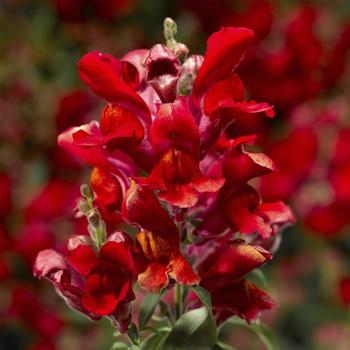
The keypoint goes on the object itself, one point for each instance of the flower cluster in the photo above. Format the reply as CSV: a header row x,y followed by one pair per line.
x,y
171,199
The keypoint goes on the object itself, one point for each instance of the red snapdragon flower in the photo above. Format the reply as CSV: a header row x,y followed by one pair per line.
x,y
95,284
223,275
158,241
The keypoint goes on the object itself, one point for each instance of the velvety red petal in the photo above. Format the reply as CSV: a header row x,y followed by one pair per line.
x,y
175,127
154,278
278,213
107,189
99,71
74,141
140,206
181,271
243,299
225,50
118,254
233,263
83,259
240,166
227,89
241,213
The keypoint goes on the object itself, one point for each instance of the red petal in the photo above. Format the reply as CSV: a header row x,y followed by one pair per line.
x,y
118,254
228,89
102,73
278,213
225,50
243,299
240,166
174,127
140,206
83,259
108,192
181,271
154,278
241,213
233,263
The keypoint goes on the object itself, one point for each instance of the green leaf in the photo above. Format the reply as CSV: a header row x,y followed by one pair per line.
x,y
223,346
195,329
119,345
148,306
257,277
260,329
154,341
203,295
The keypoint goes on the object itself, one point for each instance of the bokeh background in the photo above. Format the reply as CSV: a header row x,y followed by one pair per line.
x,y
300,62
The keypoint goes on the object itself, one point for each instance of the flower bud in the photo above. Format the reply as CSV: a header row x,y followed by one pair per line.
x,y
190,70
163,71
83,206
86,191
170,28
94,218
181,51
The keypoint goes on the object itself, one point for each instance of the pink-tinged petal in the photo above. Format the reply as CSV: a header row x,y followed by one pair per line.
x,y
48,262
99,71
243,299
181,271
175,127
82,259
114,161
118,254
228,89
140,206
278,213
225,50
241,213
154,278
133,64
233,263
190,70
163,71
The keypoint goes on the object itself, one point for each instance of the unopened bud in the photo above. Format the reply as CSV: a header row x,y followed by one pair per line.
x,y
94,218
83,206
86,191
181,51
170,28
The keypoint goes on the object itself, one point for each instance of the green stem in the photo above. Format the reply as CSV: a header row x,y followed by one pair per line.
x,y
178,301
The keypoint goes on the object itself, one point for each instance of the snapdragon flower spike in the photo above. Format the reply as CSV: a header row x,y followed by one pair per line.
x,y
93,284
158,240
163,162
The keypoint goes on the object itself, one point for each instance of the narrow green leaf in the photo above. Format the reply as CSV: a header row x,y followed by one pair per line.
x,y
148,306
203,295
119,345
257,277
264,333
195,329
154,341
223,346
